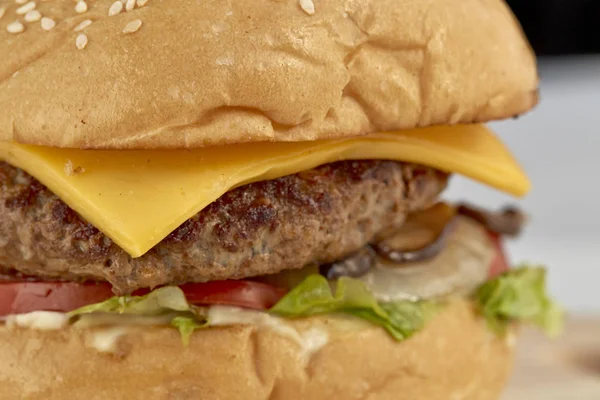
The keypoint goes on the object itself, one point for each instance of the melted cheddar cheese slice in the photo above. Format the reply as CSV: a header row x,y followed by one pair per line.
x,y
138,197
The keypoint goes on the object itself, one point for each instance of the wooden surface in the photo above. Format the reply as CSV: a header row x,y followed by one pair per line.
x,y
563,369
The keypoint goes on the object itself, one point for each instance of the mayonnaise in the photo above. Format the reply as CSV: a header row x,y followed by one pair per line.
x,y
106,340
38,320
310,341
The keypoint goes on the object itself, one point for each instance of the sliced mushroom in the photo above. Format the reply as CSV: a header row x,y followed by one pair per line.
x,y
422,237
509,221
460,267
354,266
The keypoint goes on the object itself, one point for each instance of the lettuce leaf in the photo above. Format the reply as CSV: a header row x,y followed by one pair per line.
x,y
164,299
187,325
519,295
314,296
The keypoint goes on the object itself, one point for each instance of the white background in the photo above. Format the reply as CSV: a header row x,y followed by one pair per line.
x,y
558,144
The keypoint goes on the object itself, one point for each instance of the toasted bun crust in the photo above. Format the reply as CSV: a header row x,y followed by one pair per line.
x,y
455,357
201,73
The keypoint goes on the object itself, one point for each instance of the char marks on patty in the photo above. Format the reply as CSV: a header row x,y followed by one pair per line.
x,y
313,217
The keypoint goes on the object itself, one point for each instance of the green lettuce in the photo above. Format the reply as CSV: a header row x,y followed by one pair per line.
x,y
314,296
164,300
186,326
519,295
168,298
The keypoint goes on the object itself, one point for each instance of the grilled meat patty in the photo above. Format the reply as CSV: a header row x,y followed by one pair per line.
x,y
316,216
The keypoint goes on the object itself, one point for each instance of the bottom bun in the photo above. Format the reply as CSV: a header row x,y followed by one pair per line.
x,y
454,357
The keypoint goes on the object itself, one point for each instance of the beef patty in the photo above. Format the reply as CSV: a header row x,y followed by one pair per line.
x,y
316,216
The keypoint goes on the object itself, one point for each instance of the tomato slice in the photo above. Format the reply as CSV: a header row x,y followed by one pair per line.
x,y
24,297
499,264
246,294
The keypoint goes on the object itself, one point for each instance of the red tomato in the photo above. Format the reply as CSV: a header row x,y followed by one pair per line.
x,y
246,294
24,297
499,263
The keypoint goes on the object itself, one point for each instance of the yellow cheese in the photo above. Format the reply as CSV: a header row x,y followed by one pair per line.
x,y
138,197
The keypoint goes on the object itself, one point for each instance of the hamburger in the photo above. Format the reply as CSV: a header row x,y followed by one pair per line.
x,y
242,200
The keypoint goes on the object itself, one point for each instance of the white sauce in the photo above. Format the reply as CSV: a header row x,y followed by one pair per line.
x,y
314,340
39,320
105,340
104,319
310,341
224,315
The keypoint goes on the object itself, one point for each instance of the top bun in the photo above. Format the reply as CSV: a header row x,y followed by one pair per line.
x,y
203,73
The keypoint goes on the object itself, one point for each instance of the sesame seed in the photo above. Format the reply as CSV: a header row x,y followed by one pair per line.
x,y
115,9
26,8
2,11
33,15
219,27
142,3
48,23
81,41
308,6
81,7
133,26
224,60
83,25
20,1
15,27
130,5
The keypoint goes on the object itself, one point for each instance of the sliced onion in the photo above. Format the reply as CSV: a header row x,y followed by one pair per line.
x,y
459,268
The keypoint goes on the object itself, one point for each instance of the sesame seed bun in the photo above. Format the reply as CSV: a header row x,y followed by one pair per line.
x,y
454,357
199,73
